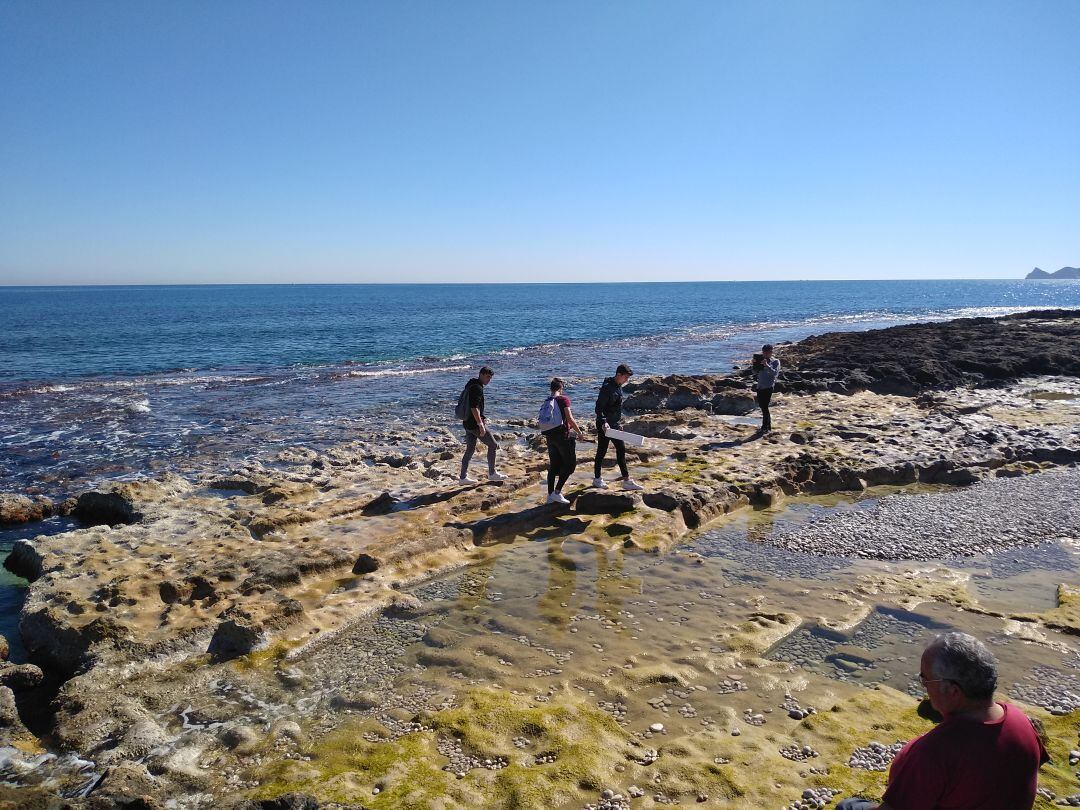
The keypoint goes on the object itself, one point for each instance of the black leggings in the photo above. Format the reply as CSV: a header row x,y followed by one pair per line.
x,y
764,397
601,450
562,459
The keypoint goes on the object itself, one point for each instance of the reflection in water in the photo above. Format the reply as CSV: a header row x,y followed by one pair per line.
x,y
561,583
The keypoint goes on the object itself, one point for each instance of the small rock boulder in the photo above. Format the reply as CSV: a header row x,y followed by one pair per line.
x,y
127,785
365,564
241,740
381,505
288,730
361,701
661,500
19,677
606,503
95,508
288,801
734,404
403,606
235,636
22,509
9,714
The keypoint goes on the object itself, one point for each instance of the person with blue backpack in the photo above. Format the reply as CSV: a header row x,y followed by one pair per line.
x,y
559,428
470,410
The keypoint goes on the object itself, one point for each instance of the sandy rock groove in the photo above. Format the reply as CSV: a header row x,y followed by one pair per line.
x,y
173,580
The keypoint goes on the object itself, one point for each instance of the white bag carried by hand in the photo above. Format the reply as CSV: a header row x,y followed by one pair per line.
x,y
631,439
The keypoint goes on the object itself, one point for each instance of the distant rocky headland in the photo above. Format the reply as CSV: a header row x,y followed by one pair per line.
x,y
1063,273
240,640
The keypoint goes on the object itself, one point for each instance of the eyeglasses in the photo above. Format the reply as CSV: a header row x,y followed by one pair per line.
x,y
926,680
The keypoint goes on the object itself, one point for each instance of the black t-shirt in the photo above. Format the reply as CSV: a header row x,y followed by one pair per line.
x,y
475,391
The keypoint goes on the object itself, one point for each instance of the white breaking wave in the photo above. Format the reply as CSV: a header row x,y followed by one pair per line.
x,y
138,406
404,372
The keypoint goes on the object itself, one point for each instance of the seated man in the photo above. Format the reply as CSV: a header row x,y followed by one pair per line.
x,y
983,756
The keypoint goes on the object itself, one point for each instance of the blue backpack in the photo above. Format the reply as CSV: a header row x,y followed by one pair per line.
x,y
550,415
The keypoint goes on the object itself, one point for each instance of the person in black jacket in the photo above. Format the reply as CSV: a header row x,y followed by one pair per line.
x,y
476,428
609,415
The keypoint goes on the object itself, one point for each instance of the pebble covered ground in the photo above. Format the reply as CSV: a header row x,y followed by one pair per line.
x,y
987,517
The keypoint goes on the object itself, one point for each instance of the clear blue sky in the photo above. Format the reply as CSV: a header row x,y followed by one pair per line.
x,y
187,142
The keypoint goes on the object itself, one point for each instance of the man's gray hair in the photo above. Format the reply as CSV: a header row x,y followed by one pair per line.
x,y
965,661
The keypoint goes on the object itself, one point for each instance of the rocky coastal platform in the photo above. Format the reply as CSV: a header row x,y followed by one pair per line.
x,y
232,639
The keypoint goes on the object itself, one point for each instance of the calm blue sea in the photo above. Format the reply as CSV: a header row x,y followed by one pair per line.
x,y
63,333
109,382
100,382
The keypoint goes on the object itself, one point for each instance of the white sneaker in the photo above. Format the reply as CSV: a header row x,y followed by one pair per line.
x,y
557,497
632,485
496,476
466,480
598,483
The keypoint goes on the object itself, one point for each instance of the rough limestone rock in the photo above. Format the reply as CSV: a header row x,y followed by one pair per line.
x,y
130,501
19,677
661,500
129,786
25,560
287,730
5,649
908,360
9,714
606,503
236,636
106,507
288,801
381,505
243,740
365,564
403,606
678,392
54,640
21,509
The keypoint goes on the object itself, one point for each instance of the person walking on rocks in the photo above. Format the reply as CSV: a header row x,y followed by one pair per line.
x,y
609,415
984,755
768,369
562,446
476,427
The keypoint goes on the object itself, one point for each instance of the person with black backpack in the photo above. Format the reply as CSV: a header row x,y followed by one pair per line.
x,y
556,423
470,410
609,415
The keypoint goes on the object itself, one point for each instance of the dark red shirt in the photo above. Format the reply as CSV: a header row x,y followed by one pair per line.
x,y
967,765
564,406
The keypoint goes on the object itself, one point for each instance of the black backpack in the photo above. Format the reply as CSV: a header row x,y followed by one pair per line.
x,y
461,411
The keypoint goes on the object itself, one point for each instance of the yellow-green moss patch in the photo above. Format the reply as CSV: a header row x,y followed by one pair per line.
x,y
1066,616
252,661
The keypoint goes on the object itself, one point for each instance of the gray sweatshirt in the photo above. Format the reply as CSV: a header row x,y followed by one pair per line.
x,y
766,378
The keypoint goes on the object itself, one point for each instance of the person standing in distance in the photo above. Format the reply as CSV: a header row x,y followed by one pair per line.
x,y
768,369
476,428
609,415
